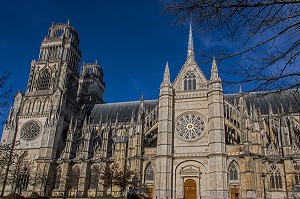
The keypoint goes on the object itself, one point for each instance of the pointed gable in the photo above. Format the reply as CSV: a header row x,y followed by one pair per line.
x,y
190,67
190,76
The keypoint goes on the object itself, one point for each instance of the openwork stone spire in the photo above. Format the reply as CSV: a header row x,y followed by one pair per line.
x,y
190,53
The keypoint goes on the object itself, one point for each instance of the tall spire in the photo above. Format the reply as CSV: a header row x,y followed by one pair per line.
x,y
191,43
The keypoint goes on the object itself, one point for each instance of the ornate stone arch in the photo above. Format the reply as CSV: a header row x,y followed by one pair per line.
x,y
275,177
297,172
233,172
26,104
44,80
47,104
37,105
149,172
194,170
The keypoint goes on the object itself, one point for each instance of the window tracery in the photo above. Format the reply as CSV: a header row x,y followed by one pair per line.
x,y
45,80
190,126
297,173
233,172
275,178
149,173
189,81
30,130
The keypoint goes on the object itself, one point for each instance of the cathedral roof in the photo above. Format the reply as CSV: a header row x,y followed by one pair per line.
x,y
287,100
124,110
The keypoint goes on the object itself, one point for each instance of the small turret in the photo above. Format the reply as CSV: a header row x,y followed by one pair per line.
x,y
91,84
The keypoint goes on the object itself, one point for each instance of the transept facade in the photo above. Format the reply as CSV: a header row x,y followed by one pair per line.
x,y
192,142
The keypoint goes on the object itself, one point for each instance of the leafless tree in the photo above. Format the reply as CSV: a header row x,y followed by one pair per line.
x,y
42,179
5,95
19,172
261,38
107,176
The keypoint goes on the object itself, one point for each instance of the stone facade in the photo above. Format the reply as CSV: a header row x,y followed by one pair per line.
x,y
193,142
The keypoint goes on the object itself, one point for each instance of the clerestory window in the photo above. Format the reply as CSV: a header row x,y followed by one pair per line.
x,y
189,82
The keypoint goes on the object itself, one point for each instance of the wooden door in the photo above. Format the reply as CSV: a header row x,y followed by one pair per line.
x,y
149,192
234,193
190,189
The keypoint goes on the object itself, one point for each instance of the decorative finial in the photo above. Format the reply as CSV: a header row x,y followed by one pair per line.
x,y
142,99
96,62
241,91
68,23
166,79
214,70
191,43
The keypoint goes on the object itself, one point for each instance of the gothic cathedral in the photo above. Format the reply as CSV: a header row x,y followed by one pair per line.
x,y
192,142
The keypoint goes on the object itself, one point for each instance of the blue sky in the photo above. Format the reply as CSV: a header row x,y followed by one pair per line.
x,y
132,40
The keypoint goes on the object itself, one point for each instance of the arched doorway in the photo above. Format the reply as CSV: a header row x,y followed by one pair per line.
x,y
190,189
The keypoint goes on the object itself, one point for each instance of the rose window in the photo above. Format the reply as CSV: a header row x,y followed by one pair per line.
x,y
30,130
190,126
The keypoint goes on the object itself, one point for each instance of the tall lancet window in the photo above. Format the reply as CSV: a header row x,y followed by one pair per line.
x,y
275,178
233,172
149,173
189,82
44,83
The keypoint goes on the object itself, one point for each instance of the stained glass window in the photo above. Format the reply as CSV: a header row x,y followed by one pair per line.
x,y
30,130
189,82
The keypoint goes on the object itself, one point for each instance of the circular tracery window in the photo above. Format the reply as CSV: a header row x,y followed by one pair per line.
x,y
30,130
190,126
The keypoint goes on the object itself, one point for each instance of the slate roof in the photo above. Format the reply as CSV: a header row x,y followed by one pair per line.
x,y
289,100
124,110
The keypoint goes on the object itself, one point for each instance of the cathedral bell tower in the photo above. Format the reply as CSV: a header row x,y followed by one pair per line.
x,y
43,113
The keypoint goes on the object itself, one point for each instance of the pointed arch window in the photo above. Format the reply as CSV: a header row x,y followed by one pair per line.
x,y
189,81
233,172
149,173
297,173
44,82
275,178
